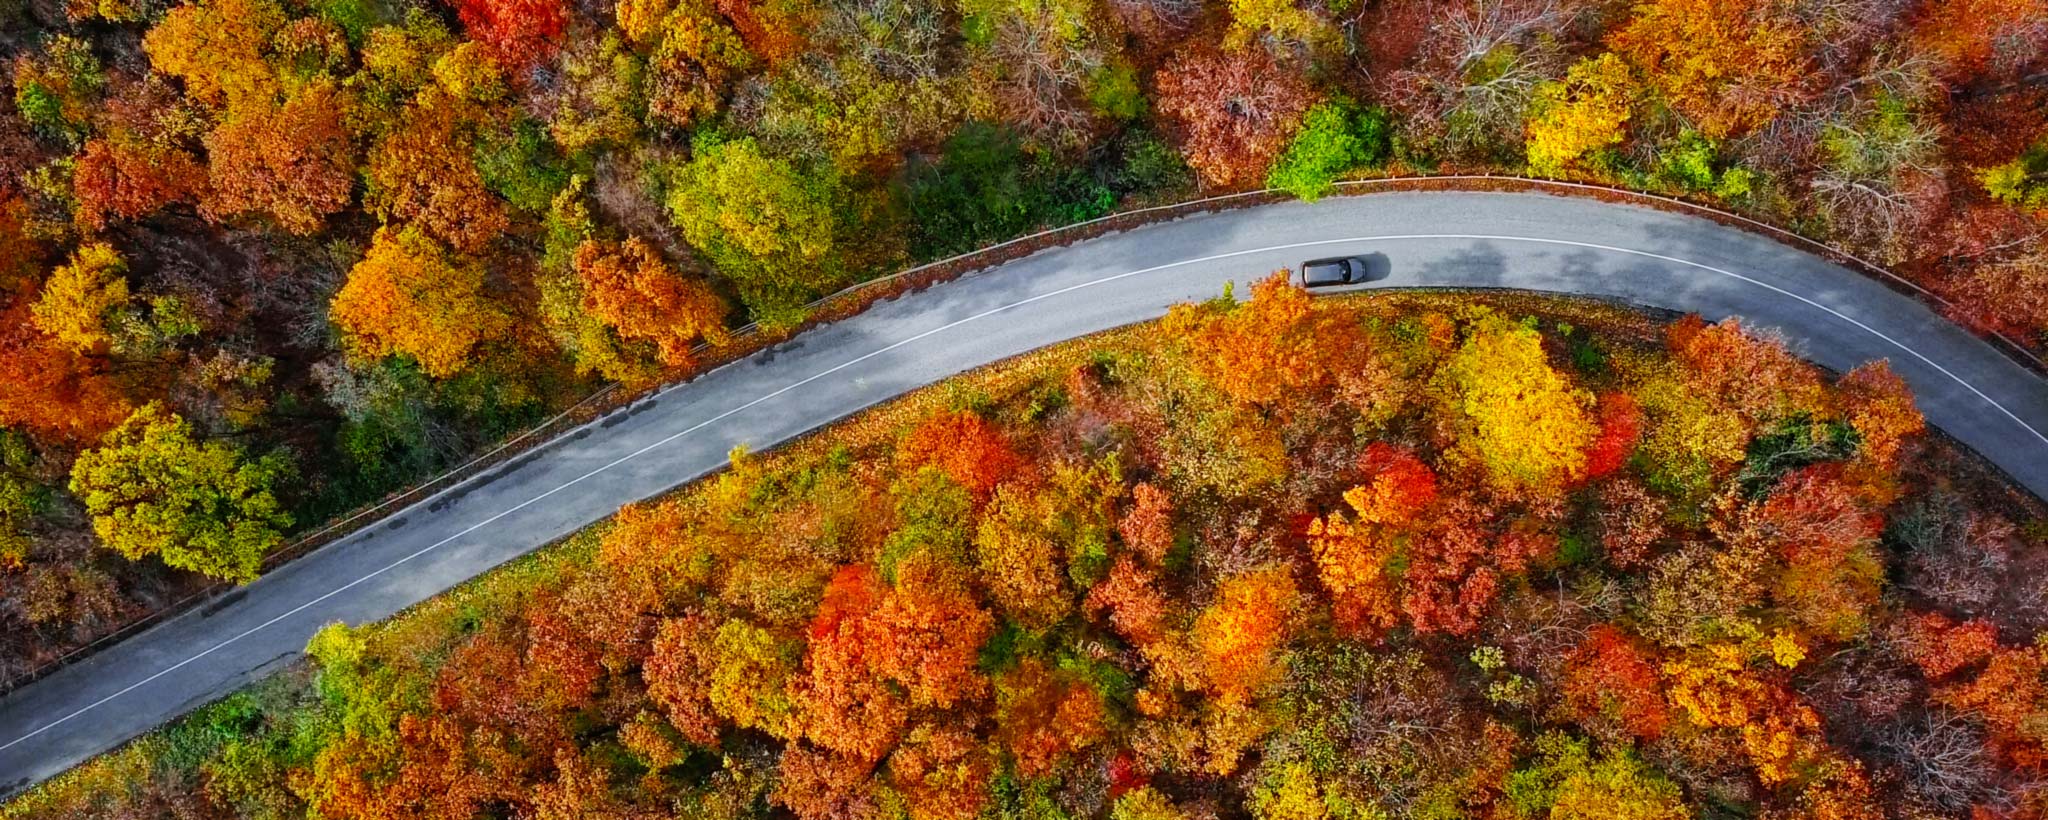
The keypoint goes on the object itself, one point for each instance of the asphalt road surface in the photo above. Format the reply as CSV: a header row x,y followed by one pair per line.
x,y
1829,314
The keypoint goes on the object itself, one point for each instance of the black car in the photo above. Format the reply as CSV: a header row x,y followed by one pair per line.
x,y
1337,270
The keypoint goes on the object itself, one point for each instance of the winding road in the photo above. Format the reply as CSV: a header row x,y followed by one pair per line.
x,y
1829,314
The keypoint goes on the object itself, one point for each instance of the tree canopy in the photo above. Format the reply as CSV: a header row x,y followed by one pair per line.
x,y
153,489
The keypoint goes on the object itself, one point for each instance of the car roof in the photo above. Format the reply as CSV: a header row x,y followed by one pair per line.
x,y
1322,271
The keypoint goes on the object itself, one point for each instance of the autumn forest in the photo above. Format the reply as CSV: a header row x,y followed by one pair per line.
x,y
264,262
1398,556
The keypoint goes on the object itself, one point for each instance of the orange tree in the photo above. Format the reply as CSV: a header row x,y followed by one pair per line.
x,y
409,296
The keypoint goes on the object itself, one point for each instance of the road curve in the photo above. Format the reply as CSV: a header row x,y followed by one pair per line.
x,y
1829,314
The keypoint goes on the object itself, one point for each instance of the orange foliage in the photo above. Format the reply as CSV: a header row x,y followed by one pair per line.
x,y
943,771
1352,561
1043,719
408,296
21,257
845,705
629,287
564,656
52,390
422,172
1399,486
1240,635
1970,38
294,162
1147,528
874,655
1136,606
818,785
1276,346
929,632
776,30
1880,406
130,179
441,777
678,676
1940,646
1756,376
964,446
1608,679
1729,65
2009,696
1841,792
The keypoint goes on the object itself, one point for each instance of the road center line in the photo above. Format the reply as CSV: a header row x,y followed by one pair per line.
x,y
948,326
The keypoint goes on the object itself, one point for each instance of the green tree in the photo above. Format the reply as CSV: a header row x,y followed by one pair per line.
x,y
772,226
1335,137
22,498
153,489
986,188
1566,782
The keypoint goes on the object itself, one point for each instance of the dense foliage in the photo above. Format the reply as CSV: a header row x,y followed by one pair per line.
x,y
1477,563
367,236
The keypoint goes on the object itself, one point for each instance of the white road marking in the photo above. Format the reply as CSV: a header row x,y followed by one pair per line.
x,y
956,323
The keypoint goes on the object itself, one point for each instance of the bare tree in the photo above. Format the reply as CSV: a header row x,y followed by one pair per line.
x,y
901,39
1038,87
1155,19
1882,179
1954,556
1940,759
1477,68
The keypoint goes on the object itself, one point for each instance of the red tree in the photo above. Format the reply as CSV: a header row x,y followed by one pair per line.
x,y
964,446
1233,111
1455,568
520,33
1147,528
1940,646
1621,425
1607,679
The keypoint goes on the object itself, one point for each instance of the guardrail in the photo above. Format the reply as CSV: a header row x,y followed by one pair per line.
x,y
750,338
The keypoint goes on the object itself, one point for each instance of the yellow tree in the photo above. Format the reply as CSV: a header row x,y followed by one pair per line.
x,y
1586,112
410,297
217,48
1515,414
154,489
82,296
1729,65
